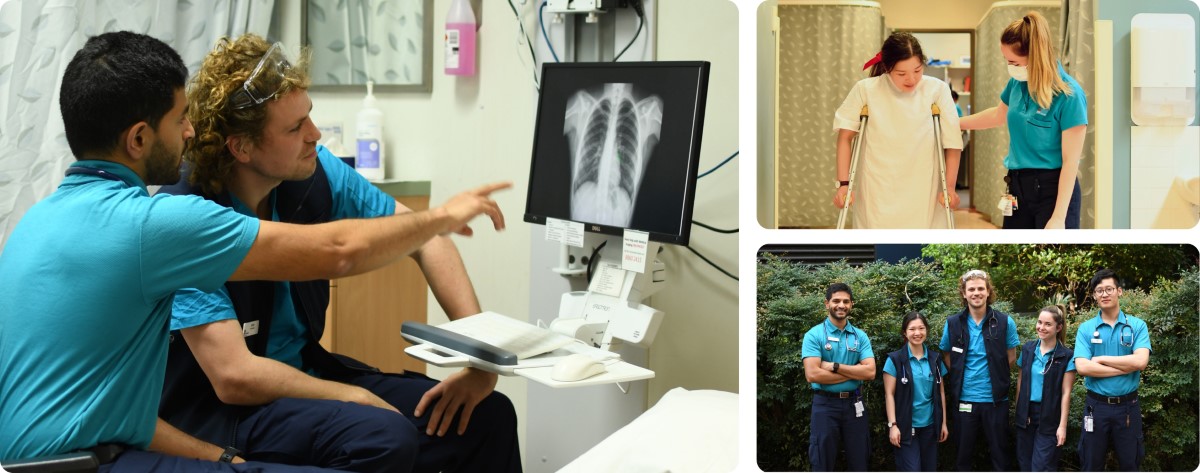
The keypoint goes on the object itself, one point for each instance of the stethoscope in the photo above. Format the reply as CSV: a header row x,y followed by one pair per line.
x,y
1125,330
73,170
1046,367
849,333
988,335
906,369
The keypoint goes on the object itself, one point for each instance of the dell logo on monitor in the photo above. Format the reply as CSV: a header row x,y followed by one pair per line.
x,y
595,228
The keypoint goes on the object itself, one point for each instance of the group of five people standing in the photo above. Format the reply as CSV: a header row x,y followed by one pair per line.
x,y
964,389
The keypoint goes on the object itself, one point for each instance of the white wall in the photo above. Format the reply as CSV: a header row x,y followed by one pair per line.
x,y
931,14
480,129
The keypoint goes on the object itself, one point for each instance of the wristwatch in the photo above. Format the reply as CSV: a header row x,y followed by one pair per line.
x,y
228,454
838,184
836,366
891,424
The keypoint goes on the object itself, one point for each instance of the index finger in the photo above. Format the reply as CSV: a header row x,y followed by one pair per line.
x,y
493,187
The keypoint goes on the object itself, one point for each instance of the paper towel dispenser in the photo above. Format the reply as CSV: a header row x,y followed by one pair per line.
x,y
1163,69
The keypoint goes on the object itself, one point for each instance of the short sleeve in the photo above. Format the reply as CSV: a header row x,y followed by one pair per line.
x,y
811,346
1141,337
187,241
1074,109
1013,340
951,133
847,115
942,366
1071,365
866,351
1083,345
1020,358
193,308
353,195
1009,88
889,367
944,345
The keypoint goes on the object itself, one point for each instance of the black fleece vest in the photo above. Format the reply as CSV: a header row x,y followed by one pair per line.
x,y
1051,387
904,391
189,401
995,350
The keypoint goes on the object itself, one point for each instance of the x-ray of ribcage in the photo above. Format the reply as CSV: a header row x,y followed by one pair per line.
x,y
612,137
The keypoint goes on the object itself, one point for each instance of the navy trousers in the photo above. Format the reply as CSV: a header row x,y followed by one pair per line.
x,y
352,437
988,417
138,461
1036,452
1036,191
834,425
1116,426
919,453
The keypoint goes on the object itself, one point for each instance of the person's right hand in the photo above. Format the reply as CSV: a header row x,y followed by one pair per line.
x,y
839,197
894,435
359,395
468,205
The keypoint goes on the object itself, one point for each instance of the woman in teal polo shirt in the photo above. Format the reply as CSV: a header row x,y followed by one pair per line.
x,y
1045,377
1046,114
914,398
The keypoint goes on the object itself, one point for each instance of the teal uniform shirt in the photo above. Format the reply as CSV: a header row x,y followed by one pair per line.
x,y
1096,338
353,197
977,384
1035,371
847,347
921,377
89,273
1035,133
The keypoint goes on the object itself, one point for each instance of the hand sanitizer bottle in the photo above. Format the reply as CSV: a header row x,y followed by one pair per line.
x,y
370,157
460,39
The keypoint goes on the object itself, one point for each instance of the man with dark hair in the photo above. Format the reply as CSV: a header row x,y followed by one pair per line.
x,y
837,359
91,270
274,391
1111,350
979,344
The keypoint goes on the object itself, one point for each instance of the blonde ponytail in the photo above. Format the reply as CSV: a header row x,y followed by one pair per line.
x,y
1030,38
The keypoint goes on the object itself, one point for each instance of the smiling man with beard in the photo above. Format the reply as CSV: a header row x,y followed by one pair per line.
x,y
979,344
837,359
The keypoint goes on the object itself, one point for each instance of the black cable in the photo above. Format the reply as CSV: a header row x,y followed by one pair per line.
x,y
710,263
641,22
718,230
528,43
592,259
734,155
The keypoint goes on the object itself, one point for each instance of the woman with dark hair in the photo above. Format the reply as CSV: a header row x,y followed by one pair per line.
x,y
1044,379
1045,112
897,182
916,405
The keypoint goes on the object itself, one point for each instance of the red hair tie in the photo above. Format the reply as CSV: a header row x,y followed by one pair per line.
x,y
875,60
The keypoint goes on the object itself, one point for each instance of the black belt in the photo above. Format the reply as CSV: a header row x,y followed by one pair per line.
x,y
1113,399
843,395
1032,172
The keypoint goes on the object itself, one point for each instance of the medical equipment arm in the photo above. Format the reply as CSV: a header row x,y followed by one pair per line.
x,y
1072,149
990,118
171,441
953,158
1136,361
814,373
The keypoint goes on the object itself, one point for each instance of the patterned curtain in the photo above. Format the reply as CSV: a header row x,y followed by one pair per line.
x,y
1079,60
821,53
363,40
38,39
991,146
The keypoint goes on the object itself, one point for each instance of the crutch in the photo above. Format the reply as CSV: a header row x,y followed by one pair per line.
x,y
858,139
939,155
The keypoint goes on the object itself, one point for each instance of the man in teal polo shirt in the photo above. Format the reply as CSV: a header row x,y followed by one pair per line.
x,y
837,359
1111,350
90,271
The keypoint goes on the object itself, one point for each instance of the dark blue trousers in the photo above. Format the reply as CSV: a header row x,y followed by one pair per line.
x,y
352,437
992,419
1115,426
919,453
1036,191
1036,452
138,461
834,425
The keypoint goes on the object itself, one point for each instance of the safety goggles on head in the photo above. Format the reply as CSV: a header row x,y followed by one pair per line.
x,y
975,273
265,81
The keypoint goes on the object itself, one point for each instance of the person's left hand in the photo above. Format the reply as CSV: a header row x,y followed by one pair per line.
x,y
941,200
1056,223
1062,435
462,390
946,434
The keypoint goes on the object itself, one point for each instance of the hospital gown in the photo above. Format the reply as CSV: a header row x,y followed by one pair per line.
x,y
897,180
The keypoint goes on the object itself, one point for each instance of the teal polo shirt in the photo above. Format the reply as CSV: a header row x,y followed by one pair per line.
x,y
1035,133
353,197
1035,371
89,275
847,347
1096,338
921,377
977,384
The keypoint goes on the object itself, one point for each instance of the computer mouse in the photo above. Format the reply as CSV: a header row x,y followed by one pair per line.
x,y
575,367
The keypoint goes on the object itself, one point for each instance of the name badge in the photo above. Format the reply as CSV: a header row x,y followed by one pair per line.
x,y
832,339
956,349
964,407
1088,425
250,328
1097,340
859,409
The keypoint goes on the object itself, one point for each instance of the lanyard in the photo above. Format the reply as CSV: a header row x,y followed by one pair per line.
x,y
849,333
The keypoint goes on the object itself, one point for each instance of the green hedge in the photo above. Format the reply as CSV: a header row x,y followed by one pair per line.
x,y
791,301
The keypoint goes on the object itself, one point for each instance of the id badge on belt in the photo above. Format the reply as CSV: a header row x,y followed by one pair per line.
x,y
859,409
1008,203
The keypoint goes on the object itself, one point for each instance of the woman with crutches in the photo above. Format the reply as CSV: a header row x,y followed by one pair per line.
x,y
1045,111
897,181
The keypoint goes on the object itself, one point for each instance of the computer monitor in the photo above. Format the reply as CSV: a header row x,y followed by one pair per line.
x,y
616,146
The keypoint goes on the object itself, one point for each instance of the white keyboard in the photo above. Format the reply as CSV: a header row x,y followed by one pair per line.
x,y
520,338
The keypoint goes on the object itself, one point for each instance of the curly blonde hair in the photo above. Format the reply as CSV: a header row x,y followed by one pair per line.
x,y
212,114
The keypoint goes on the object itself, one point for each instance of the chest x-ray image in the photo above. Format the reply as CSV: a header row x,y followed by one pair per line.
x,y
612,133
